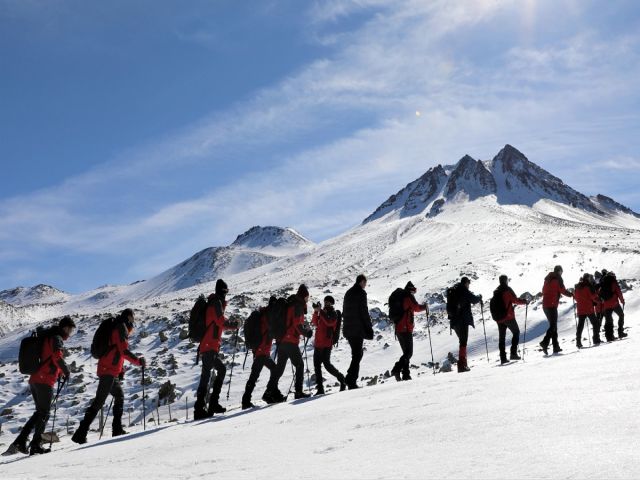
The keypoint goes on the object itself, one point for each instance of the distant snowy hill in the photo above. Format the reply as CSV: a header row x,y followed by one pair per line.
x,y
42,294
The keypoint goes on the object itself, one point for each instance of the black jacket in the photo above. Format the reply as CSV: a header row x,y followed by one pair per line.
x,y
467,299
356,322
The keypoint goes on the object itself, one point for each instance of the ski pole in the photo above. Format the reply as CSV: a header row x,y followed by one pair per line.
x,y
293,377
235,349
144,407
106,418
433,364
524,342
246,353
587,320
486,345
55,410
306,359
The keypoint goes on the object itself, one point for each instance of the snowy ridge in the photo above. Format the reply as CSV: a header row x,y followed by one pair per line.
x,y
275,241
41,294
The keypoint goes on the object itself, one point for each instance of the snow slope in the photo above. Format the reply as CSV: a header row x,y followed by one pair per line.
x,y
548,417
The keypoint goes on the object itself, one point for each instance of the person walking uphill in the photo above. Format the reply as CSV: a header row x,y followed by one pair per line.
x,y
611,296
404,329
110,373
507,296
288,348
459,301
215,324
551,291
356,326
41,385
261,356
327,323
587,301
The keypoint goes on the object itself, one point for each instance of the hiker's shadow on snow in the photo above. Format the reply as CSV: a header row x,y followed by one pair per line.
x,y
300,401
222,418
125,438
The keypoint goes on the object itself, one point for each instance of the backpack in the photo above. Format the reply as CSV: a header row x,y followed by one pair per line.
x,y
102,338
453,301
496,305
197,319
278,318
606,290
252,330
396,305
29,355
336,332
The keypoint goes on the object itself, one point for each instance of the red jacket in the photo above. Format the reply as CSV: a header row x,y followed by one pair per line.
x,y
53,365
326,322
112,363
295,320
552,289
616,298
510,299
586,299
214,325
409,307
264,349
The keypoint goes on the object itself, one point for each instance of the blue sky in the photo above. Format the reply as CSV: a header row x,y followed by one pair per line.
x,y
135,133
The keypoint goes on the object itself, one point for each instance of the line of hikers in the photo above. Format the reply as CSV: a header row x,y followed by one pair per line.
x,y
283,320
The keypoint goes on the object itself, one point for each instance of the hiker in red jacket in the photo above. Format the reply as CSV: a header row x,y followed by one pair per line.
x,y
551,291
288,348
110,374
404,332
41,385
586,303
509,299
611,296
215,324
261,356
327,322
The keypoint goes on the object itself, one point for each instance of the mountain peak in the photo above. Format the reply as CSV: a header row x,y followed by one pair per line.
x,y
270,237
471,178
40,293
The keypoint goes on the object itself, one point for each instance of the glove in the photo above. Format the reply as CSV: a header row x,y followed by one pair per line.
x,y
480,297
308,334
143,362
121,376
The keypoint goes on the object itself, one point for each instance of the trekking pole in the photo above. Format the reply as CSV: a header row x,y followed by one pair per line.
x,y
235,348
293,377
524,343
105,419
486,345
306,360
433,364
55,410
144,407
246,353
575,315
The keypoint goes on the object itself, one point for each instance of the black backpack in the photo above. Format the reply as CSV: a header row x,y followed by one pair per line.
x,y
100,345
198,319
253,330
336,332
29,355
278,318
453,301
396,305
606,289
496,305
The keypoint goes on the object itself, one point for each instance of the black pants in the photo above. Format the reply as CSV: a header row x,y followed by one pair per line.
x,y
42,397
107,385
462,331
356,344
512,325
608,322
210,360
256,368
595,324
552,332
322,356
287,351
406,344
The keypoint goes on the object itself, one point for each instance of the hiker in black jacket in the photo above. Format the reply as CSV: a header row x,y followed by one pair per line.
x,y
463,319
356,326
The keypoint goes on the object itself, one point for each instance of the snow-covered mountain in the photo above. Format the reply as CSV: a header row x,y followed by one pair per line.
x,y
510,178
40,294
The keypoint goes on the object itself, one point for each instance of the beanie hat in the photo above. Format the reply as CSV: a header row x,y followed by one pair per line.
x,y
67,322
303,291
409,287
329,299
464,280
558,269
221,287
504,280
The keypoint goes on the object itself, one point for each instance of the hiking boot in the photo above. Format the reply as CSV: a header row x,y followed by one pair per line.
x,y
38,450
621,334
299,395
352,386
118,431
515,356
578,344
557,349
503,358
215,407
597,341
273,397
343,384
320,390
406,376
199,414
610,338
19,446
545,348
79,437
246,405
